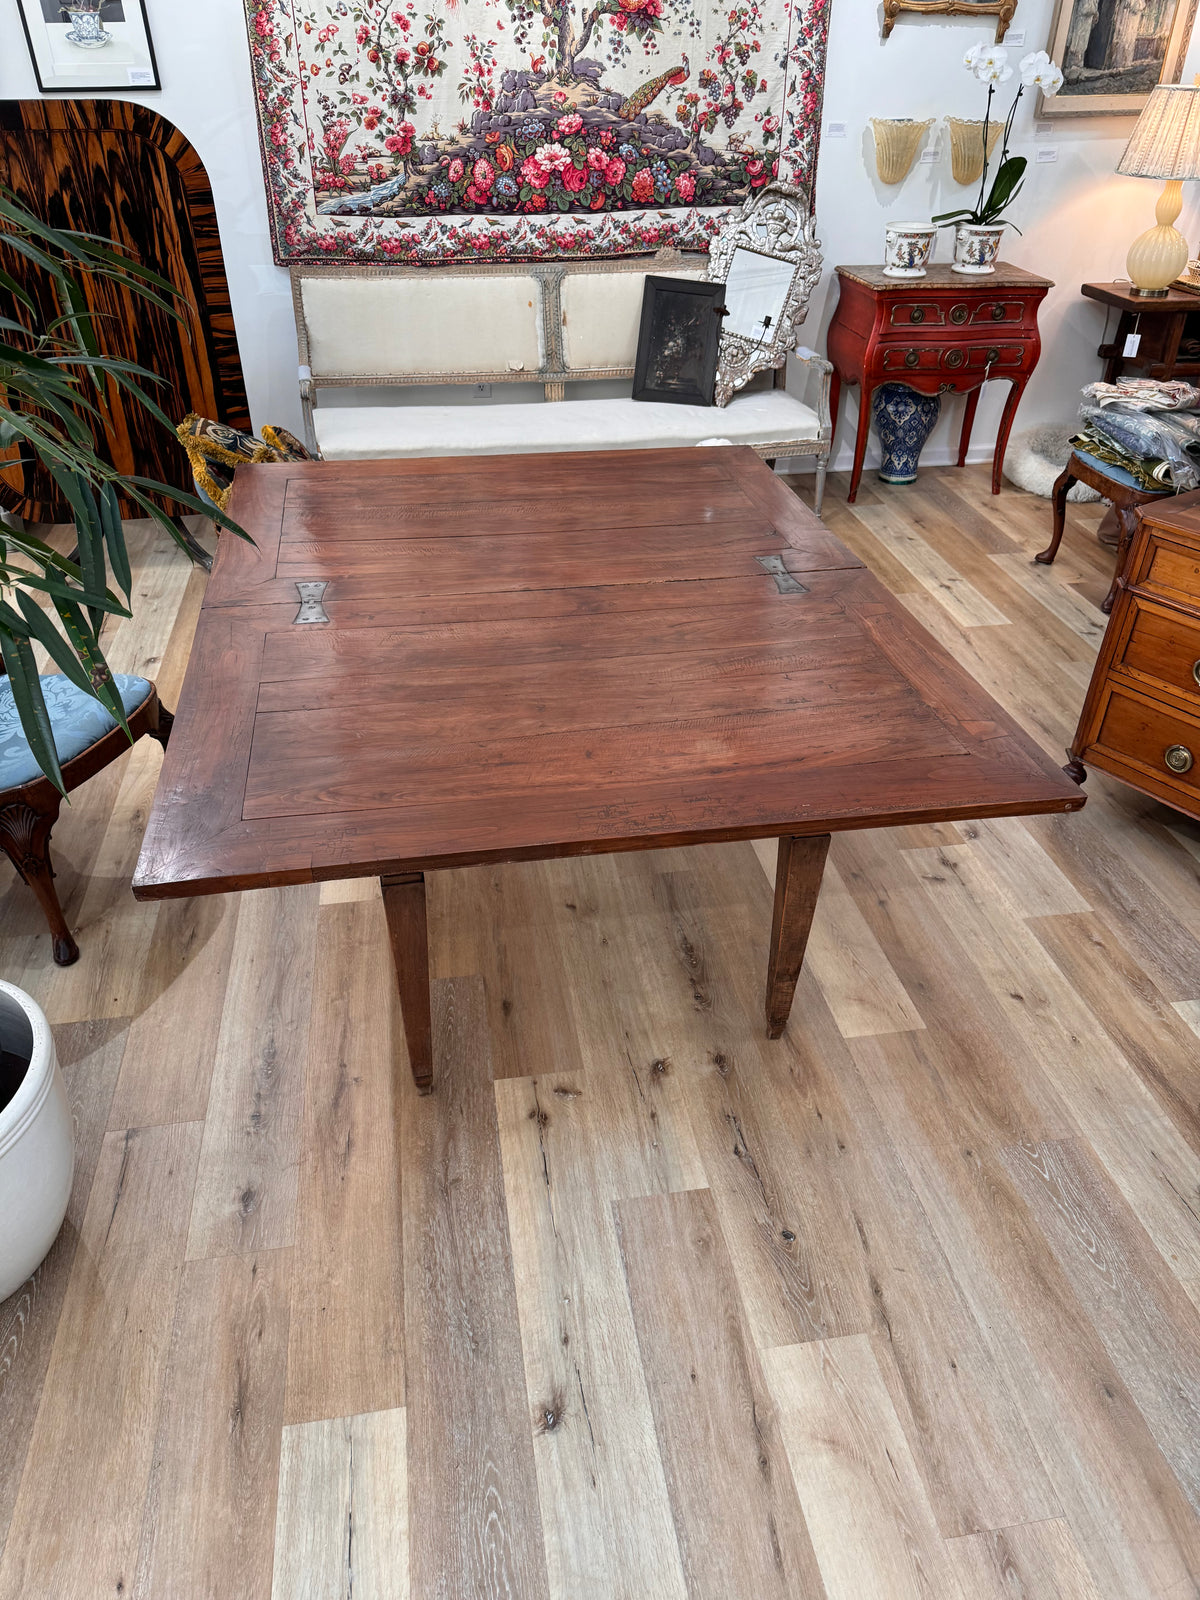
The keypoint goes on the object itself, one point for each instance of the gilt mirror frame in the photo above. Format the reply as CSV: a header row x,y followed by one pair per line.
x,y
776,222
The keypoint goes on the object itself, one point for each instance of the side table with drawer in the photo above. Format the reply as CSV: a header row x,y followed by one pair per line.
x,y
947,332
1141,718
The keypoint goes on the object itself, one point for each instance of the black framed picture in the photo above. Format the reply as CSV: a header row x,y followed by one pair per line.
x,y
89,45
678,341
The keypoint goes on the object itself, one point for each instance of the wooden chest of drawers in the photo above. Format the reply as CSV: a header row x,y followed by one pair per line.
x,y
944,333
1141,718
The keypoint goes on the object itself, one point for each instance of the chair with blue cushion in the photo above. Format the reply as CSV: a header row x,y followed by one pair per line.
x,y
87,738
1119,487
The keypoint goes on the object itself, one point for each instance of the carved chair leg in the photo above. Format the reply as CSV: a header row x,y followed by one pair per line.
x,y
25,836
1127,518
819,496
1058,499
166,721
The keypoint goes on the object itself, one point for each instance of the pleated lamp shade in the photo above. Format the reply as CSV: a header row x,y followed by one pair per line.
x,y
1165,144
1166,140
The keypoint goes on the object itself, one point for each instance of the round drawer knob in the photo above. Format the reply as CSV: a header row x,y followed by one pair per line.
x,y
911,357
997,313
917,314
1196,671
958,313
954,358
993,356
1178,757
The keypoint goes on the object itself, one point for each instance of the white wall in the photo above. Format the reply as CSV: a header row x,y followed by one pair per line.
x,y
1077,216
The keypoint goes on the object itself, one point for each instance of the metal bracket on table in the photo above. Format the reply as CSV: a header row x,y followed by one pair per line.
x,y
784,580
311,609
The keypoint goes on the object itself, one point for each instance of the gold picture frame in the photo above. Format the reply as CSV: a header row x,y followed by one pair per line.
x,y
1084,29
1002,10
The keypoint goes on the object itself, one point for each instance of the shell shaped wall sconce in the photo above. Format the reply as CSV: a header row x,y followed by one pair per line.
x,y
966,146
897,141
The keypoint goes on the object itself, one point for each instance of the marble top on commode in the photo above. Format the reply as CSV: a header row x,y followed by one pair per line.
x,y
941,275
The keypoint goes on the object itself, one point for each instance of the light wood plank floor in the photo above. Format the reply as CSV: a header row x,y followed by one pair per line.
x,y
637,1305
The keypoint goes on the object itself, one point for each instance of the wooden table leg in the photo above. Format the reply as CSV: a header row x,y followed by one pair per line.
x,y
797,884
404,906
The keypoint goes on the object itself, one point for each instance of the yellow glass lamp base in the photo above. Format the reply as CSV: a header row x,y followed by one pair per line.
x,y
1158,256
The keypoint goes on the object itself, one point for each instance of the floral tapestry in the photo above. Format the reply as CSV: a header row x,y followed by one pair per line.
x,y
520,129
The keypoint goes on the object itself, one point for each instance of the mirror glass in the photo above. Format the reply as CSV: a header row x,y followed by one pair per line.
x,y
755,295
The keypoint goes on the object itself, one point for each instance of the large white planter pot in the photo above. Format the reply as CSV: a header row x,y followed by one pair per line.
x,y
37,1143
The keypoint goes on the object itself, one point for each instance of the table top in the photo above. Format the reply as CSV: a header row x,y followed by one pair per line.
x,y
545,655
1122,295
941,275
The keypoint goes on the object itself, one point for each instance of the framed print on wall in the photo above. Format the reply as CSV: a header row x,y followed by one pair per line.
x,y
1113,52
89,45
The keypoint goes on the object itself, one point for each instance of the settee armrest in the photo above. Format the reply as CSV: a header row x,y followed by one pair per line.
x,y
818,364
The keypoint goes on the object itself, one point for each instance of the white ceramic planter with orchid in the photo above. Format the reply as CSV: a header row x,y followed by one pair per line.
x,y
978,231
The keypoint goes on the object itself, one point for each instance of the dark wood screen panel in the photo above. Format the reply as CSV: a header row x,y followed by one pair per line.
x,y
121,170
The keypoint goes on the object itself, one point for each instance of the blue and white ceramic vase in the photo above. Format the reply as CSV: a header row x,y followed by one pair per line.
x,y
903,421
87,30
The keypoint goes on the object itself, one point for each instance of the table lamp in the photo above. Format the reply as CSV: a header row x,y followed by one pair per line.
x,y
1165,144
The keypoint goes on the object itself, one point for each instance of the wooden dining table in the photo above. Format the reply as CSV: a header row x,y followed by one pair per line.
x,y
436,663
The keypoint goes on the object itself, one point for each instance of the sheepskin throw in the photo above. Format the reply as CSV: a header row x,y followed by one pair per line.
x,y
524,129
1035,459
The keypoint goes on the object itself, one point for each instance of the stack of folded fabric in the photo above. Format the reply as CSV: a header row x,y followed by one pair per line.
x,y
1149,427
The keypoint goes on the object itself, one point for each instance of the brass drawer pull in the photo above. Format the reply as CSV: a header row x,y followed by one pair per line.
x,y
1178,757
1196,671
917,314
997,313
911,357
954,358
958,313
993,356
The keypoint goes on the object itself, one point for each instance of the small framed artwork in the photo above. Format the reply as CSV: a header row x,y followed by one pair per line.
x,y
89,45
1113,52
678,342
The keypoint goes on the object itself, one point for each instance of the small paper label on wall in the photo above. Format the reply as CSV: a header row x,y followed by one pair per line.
x,y
1045,154
835,130
1043,129
1015,36
141,77
1132,340
930,155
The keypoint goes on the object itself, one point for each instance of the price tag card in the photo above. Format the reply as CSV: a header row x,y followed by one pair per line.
x,y
1132,340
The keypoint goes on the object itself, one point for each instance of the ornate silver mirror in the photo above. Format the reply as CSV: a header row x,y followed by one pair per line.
x,y
769,260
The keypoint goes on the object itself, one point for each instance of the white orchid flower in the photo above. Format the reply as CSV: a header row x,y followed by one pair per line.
x,y
993,72
971,59
1038,69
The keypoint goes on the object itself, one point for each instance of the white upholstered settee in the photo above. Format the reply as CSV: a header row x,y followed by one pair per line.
x,y
435,338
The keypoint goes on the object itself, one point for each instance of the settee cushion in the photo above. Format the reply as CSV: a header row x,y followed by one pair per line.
x,y
359,433
602,314
76,719
395,327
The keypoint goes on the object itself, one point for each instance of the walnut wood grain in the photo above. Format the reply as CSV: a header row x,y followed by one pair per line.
x,y
609,668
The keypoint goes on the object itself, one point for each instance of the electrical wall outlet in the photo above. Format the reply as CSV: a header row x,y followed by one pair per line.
x,y
483,391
